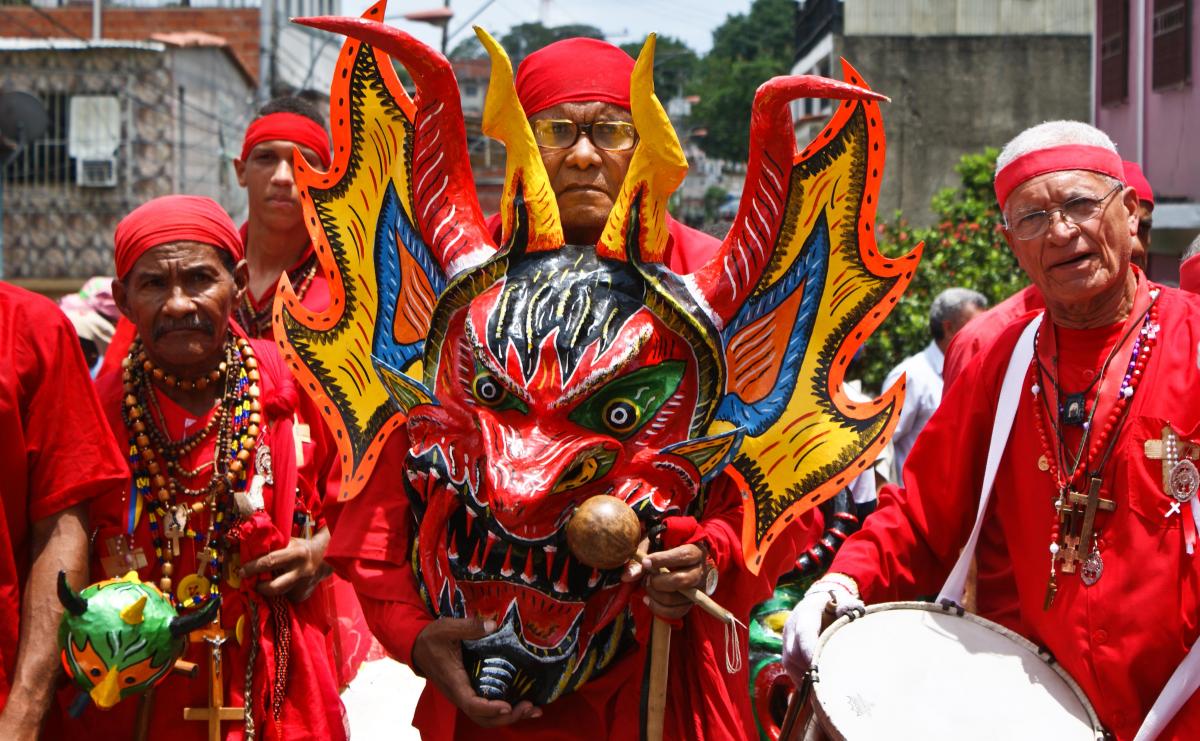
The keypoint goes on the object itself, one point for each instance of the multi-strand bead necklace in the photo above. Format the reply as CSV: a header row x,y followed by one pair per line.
x,y
1072,472
159,476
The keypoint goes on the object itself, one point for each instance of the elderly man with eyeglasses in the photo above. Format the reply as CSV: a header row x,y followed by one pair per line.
x,y
576,95
1094,505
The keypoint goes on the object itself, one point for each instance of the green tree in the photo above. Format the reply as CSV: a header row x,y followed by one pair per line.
x,y
966,248
675,66
748,49
523,39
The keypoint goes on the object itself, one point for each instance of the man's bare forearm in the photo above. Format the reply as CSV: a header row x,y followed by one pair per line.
x,y
58,543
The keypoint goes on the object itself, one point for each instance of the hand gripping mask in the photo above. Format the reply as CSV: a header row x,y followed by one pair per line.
x,y
531,375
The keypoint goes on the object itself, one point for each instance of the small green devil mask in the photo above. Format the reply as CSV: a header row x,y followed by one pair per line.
x,y
120,637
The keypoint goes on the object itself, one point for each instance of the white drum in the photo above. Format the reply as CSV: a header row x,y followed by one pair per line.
x,y
914,670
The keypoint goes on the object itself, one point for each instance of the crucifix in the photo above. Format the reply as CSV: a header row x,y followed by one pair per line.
x,y
216,712
1092,503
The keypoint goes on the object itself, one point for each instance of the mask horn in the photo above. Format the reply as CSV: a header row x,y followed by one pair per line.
x,y
70,599
525,175
131,614
656,169
181,625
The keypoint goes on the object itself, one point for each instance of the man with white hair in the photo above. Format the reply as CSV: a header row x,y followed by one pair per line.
x,y
950,311
1094,504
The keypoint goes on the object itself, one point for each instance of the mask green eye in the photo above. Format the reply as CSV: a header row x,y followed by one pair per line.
x,y
622,406
489,392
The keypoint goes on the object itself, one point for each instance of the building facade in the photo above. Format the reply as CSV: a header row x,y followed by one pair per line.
x,y
128,121
1146,58
962,75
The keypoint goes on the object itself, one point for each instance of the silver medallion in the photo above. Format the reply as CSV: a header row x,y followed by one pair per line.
x,y
1093,568
1184,481
262,462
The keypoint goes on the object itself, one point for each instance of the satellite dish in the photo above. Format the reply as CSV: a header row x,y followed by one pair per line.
x,y
22,119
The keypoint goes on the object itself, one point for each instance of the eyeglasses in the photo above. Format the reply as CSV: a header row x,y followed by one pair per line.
x,y
561,133
1075,211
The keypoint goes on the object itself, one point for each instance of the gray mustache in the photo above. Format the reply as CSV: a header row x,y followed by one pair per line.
x,y
192,323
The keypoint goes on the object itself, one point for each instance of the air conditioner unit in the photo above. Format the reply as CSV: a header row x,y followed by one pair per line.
x,y
96,173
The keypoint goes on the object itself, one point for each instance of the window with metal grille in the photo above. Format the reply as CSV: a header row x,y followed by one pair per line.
x,y
1171,51
1114,51
45,161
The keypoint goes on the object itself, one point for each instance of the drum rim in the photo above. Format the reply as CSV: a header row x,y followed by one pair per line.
x,y
1044,656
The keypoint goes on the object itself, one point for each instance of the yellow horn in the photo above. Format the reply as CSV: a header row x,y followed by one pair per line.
x,y
108,692
504,120
132,613
131,576
656,170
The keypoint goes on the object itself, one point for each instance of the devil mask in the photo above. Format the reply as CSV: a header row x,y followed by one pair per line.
x,y
531,374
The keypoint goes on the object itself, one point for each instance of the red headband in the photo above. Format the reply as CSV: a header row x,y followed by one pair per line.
x,y
1056,159
174,219
571,71
1135,178
291,127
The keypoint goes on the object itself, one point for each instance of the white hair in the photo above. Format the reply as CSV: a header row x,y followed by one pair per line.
x,y
1193,249
1052,134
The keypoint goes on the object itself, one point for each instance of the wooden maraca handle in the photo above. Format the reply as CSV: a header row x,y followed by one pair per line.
x,y
705,602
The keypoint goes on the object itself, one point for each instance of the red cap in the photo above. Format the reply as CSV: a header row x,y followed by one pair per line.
x,y
174,219
1135,178
1189,274
1056,159
291,127
574,71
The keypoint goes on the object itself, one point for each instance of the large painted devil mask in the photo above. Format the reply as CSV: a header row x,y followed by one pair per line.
x,y
531,375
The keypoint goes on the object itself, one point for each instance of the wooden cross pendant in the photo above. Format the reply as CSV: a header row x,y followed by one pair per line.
x,y
216,712
1156,450
1092,502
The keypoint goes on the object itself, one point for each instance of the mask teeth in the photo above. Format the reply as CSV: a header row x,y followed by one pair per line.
x,y
561,584
474,567
550,551
507,570
491,542
594,579
527,574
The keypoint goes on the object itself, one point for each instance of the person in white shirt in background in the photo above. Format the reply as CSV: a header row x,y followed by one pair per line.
x,y
949,313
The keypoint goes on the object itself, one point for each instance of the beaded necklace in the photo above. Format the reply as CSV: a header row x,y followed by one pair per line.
x,y
154,460
1072,528
258,323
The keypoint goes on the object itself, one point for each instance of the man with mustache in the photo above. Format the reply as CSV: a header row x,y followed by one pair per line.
x,y
207,418
49,474
1094,507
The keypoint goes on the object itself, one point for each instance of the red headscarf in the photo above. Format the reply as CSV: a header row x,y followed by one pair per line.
x,y
1055,159
174,219
1135,178
574,71
291,127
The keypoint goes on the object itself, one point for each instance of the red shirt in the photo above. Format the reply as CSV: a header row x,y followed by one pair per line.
x,y
371,548
1121,638
56,451
311,707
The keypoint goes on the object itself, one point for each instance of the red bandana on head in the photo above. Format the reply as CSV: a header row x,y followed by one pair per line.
x,y
1055,159
300,130
572,71
1135,178
174,219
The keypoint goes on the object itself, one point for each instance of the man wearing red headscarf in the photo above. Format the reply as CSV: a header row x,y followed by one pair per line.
x,y
1093,515
207,417
277,242
48,474
576,95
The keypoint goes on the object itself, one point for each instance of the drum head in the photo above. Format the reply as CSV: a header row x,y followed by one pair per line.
x,y
910,670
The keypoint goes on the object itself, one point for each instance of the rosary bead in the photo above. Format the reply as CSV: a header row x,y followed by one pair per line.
x,y
164,584
168,568
243,455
